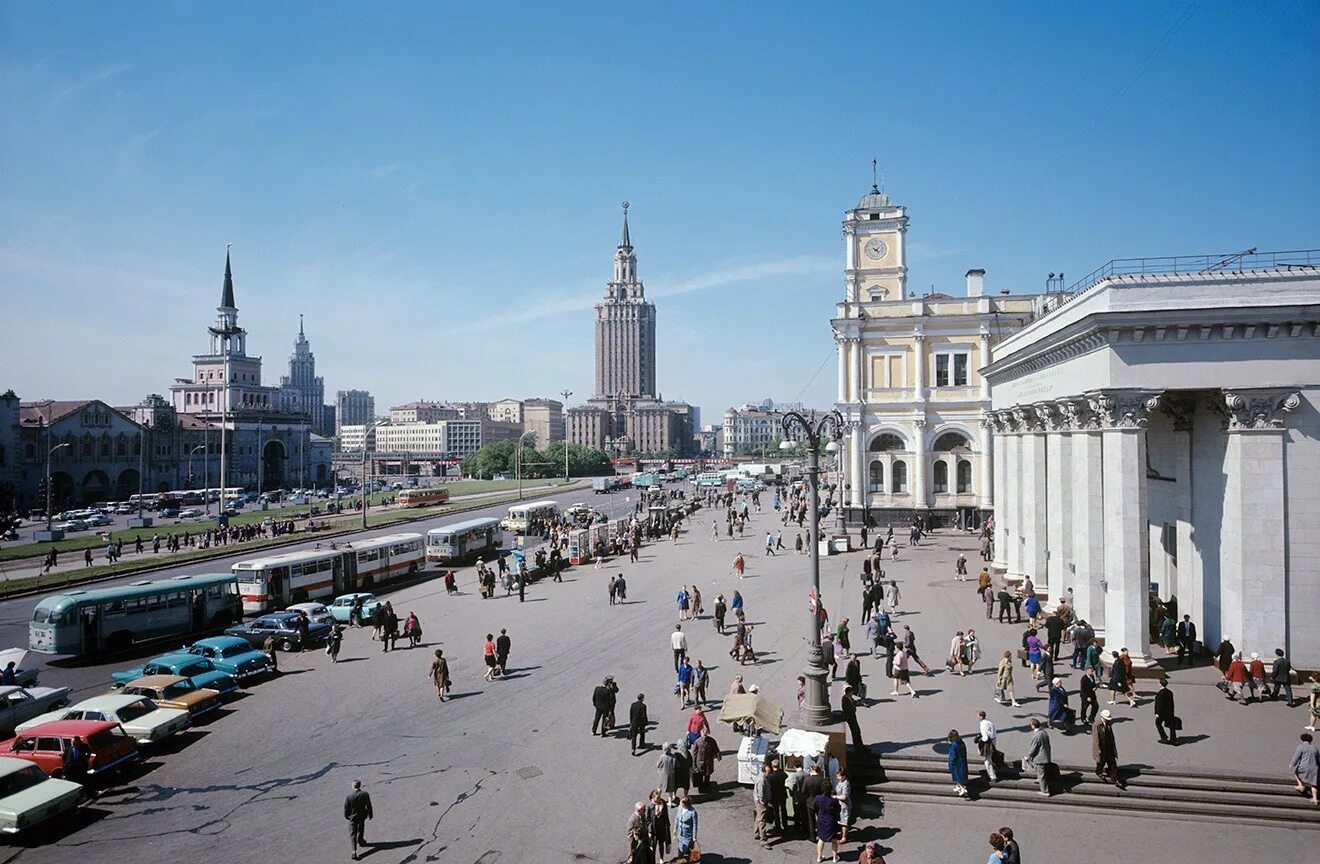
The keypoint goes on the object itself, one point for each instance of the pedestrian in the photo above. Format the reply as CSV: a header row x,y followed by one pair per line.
x,y
357,810
684,687
1281,676
989,598
1012,851
997,850
685,828
957,654
960,567
769,543
841,635
637,721
76,760
87,557
1306,766
1104,749
668,767
440,674
972,649
801,691
1004,681
987,743
958,763
269,647
683,600
761,806
843,794
705,753
1058,711
721,607
852,676
488,653
658,828
678,641
1090,702
1118,681
849,709
377,620
502,646
603,700
1186,636
827,823
901,676
1166,723
334,641
892,597
910,642
700,681
1038,756
613,590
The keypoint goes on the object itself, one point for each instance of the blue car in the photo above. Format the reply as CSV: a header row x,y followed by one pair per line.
x,y
283,628
202,672
233,655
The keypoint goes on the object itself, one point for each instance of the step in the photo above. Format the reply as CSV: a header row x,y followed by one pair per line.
x,y
1195,811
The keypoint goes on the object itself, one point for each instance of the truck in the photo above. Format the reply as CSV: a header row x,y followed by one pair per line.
x,y
645,479
604,485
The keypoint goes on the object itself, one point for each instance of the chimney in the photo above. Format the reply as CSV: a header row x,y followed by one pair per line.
x,y
975,283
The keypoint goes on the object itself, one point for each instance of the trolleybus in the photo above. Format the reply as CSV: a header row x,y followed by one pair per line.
x,y
463,541
276,581
522,515
86,622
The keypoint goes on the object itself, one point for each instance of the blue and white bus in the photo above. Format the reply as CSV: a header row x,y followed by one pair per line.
x,y
463,541
96,620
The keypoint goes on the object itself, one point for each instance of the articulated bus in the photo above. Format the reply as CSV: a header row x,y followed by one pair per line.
x,y
423,497
276,581
463,541
522,515
97,620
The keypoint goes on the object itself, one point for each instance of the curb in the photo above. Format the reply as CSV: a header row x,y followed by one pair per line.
x,y
225,552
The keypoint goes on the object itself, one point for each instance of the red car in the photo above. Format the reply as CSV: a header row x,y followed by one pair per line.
x,y
109,745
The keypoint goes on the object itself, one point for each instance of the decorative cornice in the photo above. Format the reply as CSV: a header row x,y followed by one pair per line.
x,y
1179,407
849,227
1025,419
1078,415
1255,409
1049,417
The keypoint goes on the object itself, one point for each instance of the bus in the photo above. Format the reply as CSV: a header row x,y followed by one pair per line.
x,y
423,497
94,621
710,478
463,541
522,515
277,581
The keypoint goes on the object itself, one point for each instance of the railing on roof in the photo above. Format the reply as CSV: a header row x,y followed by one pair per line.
x,y
1231,262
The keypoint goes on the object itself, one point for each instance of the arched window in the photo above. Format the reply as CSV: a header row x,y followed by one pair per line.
x,y
877,477
886,441
121,445
964,476
940,476
88,446
951,442
898,477
105,445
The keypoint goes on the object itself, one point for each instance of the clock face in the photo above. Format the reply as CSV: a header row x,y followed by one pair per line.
x,y
876,249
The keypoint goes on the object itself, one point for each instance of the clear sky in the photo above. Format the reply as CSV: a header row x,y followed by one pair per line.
x,y
437,186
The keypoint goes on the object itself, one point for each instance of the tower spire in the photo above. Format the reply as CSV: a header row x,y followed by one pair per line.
x,y
227,294
625,242
300,326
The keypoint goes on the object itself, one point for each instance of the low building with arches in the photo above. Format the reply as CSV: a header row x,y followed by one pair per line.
x,y
909,387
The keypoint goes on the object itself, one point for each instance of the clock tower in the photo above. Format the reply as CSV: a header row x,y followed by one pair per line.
x,y
875,234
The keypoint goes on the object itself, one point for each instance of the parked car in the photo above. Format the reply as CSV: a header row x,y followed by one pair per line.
x,y
138,715
174,691
234,655
22,677
109,746
318,613
98,519
29,796
343,604
21,703
169,512
200,670
283,626
71,525
190,513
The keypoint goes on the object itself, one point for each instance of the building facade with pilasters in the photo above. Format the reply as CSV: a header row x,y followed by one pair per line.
x,y
909,387
1159,434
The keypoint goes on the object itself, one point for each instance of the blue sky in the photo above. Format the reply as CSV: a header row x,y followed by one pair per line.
x,y
436,186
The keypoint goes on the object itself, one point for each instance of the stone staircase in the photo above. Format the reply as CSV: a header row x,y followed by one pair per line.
x,y
1156,793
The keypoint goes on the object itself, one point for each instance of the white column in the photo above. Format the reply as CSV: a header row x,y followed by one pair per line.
x,y
1127,544
1035,503
860,477
1087,550
919,366
1058,488
987,476
1253,588
842,348
1013,500
920,482
985,361
859,376
1000,492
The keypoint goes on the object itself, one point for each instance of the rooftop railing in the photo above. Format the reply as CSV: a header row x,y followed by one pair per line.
x,y
1226,262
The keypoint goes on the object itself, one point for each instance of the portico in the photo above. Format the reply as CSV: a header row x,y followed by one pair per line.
x,y
1159,435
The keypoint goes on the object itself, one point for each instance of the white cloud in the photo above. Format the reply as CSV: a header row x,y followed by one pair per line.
x,y
70,90
377,173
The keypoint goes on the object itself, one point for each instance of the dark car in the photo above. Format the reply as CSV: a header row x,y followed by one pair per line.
x,y
284,627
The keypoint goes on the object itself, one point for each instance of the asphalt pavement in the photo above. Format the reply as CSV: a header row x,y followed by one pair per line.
x,y
507,770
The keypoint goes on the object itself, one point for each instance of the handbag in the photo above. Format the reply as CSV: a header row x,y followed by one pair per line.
x,y
695,854
1177,724
1222,686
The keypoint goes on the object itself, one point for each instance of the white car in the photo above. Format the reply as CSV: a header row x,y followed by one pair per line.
x,y
18,704
317,613
28,796
189,513
138,715
71,525
98,519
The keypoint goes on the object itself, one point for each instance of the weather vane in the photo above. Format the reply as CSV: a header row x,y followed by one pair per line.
x,y
625,206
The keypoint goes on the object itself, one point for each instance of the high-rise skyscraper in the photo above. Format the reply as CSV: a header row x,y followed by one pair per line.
x,y
625,330
354,408
302,391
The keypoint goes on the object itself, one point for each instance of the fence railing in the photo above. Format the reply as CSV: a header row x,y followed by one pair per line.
x,y
1225,262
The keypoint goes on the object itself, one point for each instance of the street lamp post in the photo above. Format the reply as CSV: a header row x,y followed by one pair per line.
x,y
190,468
365,432
825,433
517,460
565,394
49,484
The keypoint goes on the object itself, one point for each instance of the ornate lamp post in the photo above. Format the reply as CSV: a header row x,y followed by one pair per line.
x,y
817,434
517,459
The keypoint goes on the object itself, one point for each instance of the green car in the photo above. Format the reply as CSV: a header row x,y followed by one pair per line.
x,y
28,796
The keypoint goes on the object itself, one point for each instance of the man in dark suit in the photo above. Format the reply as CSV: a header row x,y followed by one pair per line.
x,y
849,705
1164,714
637,720
357,810
502,645
602,699
1186,639
811,787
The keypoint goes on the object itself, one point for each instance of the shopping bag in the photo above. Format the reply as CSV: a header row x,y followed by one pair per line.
x,y
1222,685
695,854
